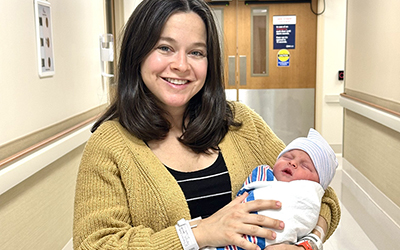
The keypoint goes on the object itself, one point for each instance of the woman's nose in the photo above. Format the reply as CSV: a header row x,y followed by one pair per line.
x,y
180,62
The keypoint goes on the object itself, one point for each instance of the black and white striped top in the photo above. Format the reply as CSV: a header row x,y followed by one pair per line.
x,y
206,190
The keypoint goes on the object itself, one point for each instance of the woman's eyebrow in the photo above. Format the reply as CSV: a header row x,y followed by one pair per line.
x,y
167,39
172,40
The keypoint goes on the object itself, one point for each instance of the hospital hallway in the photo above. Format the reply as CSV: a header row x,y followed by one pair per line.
x,y
367,216
299,64
349,235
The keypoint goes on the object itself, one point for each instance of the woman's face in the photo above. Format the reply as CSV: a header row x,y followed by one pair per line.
x,y
295,165
176,69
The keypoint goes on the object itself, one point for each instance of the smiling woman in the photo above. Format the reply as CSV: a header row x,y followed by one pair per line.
x,y
176,69
171,147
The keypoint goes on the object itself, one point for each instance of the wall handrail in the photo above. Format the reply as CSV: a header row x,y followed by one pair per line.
x,y
26,163
371,104
379,114
28,150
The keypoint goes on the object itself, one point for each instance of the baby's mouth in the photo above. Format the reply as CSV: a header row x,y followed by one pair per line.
x,y
176,81
287,171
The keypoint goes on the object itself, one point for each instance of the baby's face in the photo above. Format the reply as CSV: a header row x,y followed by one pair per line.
x,y
295,165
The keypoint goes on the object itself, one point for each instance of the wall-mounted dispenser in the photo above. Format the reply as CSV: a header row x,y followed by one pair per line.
x,y
44,32
106,53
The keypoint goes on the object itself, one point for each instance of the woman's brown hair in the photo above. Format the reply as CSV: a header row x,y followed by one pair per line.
x,y
209,115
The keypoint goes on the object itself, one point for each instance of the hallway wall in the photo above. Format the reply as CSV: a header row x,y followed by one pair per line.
x,y
33,103
37,213
331,39
371,140
371,132
372,75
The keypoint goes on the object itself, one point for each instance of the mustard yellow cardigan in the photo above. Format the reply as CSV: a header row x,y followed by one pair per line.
x,y
126,198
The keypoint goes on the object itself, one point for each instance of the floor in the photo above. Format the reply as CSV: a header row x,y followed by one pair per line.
x,y
348,235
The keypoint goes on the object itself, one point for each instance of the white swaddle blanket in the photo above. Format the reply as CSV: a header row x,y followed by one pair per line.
x,y
301,203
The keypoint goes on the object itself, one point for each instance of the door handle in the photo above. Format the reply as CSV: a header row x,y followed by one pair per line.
x,y
231,70
242,69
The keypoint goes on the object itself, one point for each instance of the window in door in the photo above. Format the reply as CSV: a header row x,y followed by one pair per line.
x,y
259,41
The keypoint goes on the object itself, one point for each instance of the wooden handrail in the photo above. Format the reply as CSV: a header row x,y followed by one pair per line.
x,y
371,104
45,142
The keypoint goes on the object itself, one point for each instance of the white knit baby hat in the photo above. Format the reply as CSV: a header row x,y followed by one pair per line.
x,y
320,152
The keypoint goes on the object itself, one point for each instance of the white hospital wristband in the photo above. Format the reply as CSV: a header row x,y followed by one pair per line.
x,y
321,232
186,235
315,239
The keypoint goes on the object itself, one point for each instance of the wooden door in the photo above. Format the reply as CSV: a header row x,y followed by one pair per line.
x,y
240,46
282,92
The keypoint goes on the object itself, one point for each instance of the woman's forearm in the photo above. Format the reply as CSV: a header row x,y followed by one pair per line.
x,y
322,226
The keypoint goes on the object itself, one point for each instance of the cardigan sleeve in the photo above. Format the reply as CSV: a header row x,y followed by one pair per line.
x,y
102,218
330,211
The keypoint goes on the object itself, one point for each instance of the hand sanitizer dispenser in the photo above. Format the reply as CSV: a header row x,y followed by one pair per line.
x,y
106,52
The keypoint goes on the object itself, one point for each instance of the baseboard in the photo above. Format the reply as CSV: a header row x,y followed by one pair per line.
x,y
376,214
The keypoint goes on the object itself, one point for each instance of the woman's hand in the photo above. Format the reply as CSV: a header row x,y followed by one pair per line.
x,y
227,225
284,247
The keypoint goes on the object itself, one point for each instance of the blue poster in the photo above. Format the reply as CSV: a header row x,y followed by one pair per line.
x,y
284,32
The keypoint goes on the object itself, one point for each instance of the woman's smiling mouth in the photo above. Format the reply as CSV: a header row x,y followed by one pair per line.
x,y
176,81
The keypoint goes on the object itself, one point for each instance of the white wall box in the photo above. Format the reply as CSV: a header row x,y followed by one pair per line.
x,y
44,32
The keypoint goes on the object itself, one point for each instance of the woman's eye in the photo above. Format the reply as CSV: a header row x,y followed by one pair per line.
x,y
197,53
164,48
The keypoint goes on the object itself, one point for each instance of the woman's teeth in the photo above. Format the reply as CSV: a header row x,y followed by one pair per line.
x,y
176,81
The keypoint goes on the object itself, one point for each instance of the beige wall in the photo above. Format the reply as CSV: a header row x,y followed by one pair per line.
x,y
129,7
32,103
373,34
330,59
372,74
38,213
374,150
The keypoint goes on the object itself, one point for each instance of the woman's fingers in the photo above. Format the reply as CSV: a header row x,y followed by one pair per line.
x,y
228,225
261,220
239,199
258,205
245,244
258,231
264,221
244,212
